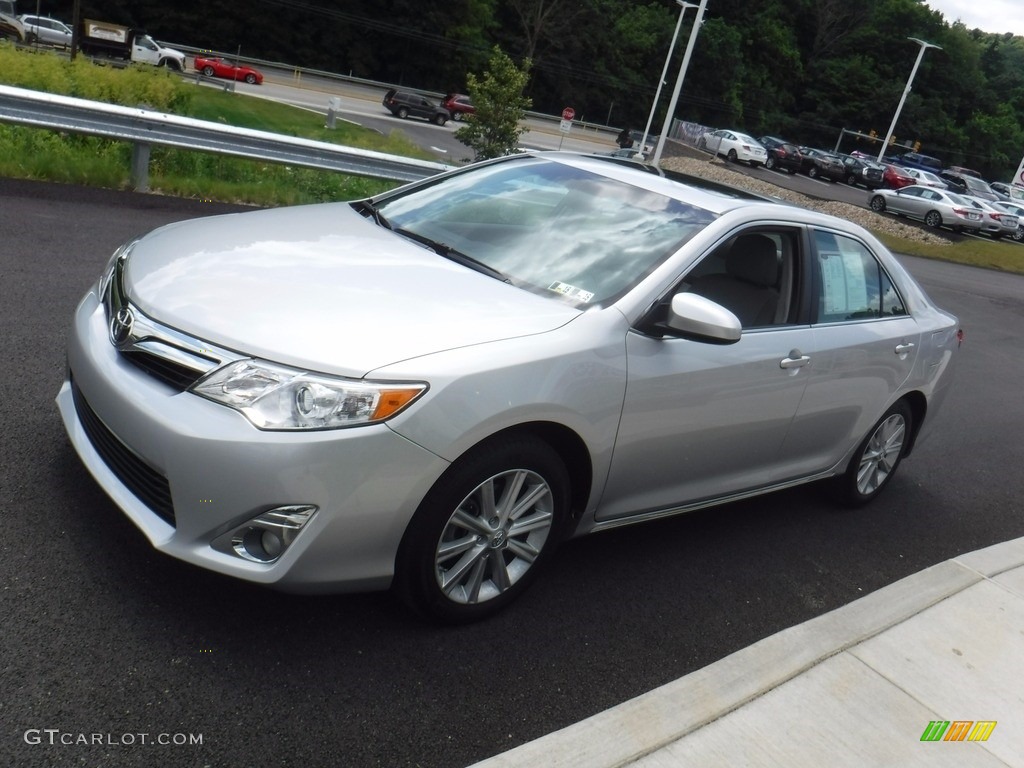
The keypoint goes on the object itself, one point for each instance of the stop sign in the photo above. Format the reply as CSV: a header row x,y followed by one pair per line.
x,y
568,113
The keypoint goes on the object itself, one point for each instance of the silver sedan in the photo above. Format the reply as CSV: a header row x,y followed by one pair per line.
x,y
935,207
431,389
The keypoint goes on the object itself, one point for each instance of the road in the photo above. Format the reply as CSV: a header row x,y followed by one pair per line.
x,y
361,104
104,639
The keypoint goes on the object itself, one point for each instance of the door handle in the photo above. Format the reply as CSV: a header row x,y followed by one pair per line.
x,y
796,359
902,349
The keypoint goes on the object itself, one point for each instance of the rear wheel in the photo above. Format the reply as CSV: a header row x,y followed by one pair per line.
x,y
208,71
878,204
440,119
484,530
877,457
769,163
402,112
933,219
732,156
851,179
813,172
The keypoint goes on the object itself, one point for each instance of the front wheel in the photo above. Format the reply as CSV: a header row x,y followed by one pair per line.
x,y
250,79
878,204
484,530
813,172
769,163
933,219
440,119
876,459
851,179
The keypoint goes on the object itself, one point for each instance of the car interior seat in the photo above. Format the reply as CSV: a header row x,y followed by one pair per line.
x,y
749,286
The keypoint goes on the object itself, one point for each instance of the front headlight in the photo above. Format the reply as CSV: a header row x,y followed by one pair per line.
x,y
281,398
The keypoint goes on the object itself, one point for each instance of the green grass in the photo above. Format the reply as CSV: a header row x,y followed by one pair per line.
x,y
990,254
52,156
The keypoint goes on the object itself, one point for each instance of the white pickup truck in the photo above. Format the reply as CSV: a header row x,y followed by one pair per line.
x,y
102,39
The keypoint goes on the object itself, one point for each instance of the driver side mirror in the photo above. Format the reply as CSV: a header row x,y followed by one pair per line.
x,y
694,317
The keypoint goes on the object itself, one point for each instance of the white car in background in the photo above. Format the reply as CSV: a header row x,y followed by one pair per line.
x,y
926,178
734,146
46,30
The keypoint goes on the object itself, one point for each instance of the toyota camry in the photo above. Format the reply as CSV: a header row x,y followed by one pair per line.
x,y
430,389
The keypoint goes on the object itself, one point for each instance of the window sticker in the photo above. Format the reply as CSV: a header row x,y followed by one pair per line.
x,y
571,291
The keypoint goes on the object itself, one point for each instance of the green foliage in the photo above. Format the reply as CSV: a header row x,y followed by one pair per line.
x,y
494,129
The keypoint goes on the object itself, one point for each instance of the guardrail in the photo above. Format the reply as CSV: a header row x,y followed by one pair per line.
x,y
144,128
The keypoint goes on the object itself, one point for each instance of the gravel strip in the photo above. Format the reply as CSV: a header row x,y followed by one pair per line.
x,y
716,170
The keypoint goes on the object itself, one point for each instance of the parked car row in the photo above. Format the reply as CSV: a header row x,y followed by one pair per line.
x,y
947,208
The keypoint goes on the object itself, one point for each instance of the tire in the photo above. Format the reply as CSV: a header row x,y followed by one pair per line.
x,y
732,156
877,204
933,219
402,112
463,532
207,71
875,461
813,172
1019,234
250,79
770,163
30,39
852,180
457,116
440,119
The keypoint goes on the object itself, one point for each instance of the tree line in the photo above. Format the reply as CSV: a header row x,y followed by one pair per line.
x,y
801,69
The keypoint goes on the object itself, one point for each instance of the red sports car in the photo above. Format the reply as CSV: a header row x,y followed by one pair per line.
x,y
217,67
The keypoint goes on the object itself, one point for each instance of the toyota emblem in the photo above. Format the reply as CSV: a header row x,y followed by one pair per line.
x,y
121,326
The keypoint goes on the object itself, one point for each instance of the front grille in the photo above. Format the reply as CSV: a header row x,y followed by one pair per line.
x,y
141,479
171,373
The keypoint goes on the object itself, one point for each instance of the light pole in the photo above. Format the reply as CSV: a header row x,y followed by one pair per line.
x,y
664,70
679,81
920,55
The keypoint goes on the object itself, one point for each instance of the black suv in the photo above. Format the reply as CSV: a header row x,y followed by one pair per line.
x,y
781,154
862,171
966,184
404,104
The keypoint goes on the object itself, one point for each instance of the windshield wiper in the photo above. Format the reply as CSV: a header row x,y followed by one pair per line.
x,y
445,250
366,207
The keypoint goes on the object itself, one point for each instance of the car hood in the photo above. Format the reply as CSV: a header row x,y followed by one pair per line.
x,y
321,287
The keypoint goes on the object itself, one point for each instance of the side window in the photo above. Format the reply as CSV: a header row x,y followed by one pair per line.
x,y
853,285
754,275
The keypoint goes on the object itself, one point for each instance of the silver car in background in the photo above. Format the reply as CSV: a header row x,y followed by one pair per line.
x,y
926,178
1017,210
997,222
430,389
46,30
935,207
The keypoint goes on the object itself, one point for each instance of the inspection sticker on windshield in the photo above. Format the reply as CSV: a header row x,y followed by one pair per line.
x,y
571,291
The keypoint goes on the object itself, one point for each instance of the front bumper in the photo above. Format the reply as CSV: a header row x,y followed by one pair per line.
x,y
220,472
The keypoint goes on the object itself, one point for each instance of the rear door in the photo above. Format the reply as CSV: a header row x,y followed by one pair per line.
x,y
865,346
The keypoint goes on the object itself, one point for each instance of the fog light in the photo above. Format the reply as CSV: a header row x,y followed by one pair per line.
x,y
265,538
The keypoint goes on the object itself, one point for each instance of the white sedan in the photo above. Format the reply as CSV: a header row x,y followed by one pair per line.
x,y
734,146
926,178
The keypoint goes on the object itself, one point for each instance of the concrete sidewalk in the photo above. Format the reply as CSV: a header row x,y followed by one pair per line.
x,y
856,687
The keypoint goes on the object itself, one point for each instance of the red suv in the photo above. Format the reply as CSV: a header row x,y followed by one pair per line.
x,y
459,105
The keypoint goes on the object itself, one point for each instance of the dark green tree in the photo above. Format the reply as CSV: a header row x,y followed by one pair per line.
x,y
498,96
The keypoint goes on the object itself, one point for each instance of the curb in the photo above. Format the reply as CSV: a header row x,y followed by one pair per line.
x,y
643,725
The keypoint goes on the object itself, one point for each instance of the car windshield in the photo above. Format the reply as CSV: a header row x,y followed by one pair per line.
x,y
548,227
976,185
